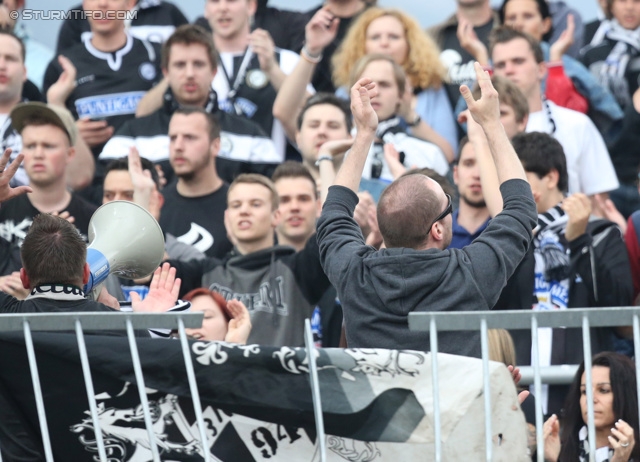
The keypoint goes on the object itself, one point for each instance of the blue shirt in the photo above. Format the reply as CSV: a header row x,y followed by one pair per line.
x,y
461,237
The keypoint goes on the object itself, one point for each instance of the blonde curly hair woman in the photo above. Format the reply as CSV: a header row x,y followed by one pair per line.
x,y
426,108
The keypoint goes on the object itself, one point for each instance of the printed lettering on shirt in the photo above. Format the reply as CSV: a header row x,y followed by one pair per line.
x,y
244,106
197,237
269,298
109,105
459,72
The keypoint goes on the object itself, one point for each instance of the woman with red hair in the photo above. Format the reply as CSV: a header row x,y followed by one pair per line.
x,y
223,320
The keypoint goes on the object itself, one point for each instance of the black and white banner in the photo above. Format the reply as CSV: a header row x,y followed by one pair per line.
x,y
256,401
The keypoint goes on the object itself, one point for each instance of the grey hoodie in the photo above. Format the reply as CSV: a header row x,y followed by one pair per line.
x,y
378,289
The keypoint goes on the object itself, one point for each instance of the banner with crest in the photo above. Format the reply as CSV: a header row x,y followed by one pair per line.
x,y
256,400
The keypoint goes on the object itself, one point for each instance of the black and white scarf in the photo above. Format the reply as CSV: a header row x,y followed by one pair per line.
x,y
611,74
57,292
551,225
602,454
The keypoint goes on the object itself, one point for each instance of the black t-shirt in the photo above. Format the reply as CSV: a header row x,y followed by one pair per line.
x,y
16,216
458,61
197,221
154,21
109,85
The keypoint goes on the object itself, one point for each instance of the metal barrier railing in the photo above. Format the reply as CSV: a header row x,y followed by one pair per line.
x,y
79,322
435,322
425,321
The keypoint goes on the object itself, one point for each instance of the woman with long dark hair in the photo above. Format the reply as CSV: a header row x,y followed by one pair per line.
x,y
615,403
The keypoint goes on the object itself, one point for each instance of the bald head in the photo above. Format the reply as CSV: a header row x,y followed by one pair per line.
x,y
407,209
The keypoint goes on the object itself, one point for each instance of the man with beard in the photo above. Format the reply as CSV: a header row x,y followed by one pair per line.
x,y
194,206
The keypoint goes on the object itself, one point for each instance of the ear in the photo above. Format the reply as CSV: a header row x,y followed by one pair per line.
x,y
318,206
521,126
26,283
437,233
86,273
542,70
71,154
546,25
275,218
297,137
252,6
214,148
552,179
165,72
455,174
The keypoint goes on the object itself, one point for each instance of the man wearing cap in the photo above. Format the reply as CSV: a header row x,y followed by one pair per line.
x,y
48,134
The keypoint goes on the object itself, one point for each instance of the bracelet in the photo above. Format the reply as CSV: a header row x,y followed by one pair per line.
x,y
304,53
416,121
323,157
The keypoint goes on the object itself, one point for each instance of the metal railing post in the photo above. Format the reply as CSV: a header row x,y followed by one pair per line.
x,y
586,346
91,395
537,387
137,368
315,389
636,346
437,430
35,379
193,388
486,379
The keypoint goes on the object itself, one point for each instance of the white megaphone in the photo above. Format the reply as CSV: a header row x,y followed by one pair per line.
x,y
124,239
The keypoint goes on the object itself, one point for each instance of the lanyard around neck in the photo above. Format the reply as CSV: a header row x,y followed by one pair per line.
x,y
237,83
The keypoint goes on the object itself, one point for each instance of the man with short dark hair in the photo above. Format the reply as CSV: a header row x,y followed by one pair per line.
x,y
189,64
299,204
416,272
194,206
323,118
279,286
580,260
55,270
518,57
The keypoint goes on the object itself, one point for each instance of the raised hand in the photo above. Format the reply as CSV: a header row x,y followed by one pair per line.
x,y
12,284
163,292
470,42
622,441
143,185
320,31
65,216
239,326
335,148
364,116
486,110
7,173
564,42
66,83
262,45
578,208
551,436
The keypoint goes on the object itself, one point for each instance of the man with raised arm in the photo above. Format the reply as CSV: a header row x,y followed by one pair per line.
x,y
378,289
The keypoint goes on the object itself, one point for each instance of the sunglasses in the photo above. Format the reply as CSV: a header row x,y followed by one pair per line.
x,y
446,211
